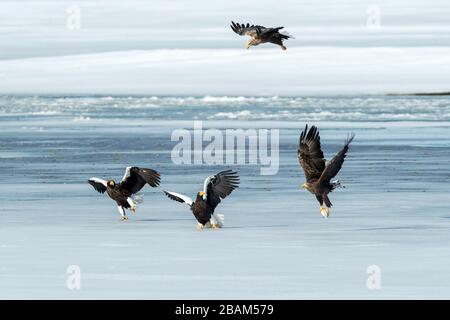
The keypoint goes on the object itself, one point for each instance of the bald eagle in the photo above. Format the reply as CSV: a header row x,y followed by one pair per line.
x,y
260,34
125,193
318,172
215,188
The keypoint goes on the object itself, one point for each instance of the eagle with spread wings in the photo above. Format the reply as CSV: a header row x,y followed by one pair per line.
x,y
260,34
215,188
318,171
125,193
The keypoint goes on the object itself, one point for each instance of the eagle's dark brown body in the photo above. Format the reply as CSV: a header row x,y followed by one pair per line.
x,y
271,37
119,196
321,191
202,212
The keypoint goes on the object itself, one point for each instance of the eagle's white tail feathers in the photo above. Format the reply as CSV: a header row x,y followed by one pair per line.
x,y
221,219
134,200
337,184
137,198
218,219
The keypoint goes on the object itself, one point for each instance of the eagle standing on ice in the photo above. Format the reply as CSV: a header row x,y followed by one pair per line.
x,y
260,34
215,188
124,193
319,173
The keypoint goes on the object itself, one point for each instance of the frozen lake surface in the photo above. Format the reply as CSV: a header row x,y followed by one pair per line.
x,y
394,212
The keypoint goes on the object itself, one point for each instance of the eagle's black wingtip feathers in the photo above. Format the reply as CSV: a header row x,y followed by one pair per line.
x,y
350,138
303,133
100,188
174,197
233,26
232,176
167,194
152,177
310,134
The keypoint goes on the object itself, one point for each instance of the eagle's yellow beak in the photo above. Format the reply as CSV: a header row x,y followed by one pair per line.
x,y
201,193
303,186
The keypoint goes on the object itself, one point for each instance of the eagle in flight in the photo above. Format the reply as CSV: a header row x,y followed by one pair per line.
x,y
260,34
318,172
215,188
125,193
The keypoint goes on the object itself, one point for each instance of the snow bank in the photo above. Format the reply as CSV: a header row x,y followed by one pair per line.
x,y
258,71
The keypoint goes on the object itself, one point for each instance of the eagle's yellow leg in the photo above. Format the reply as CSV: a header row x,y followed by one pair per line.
x,y
215,226
133,209
123,218
325,211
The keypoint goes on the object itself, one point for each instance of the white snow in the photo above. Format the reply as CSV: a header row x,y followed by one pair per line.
x,y
258,71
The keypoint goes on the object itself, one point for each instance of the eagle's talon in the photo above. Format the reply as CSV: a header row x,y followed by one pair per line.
x,y
200,226
215,226
123,218
325,212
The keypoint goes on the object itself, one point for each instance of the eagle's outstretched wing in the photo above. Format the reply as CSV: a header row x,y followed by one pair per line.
x,y
310,154
247,29
136,178
98,184
219,186
332,168
179,197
